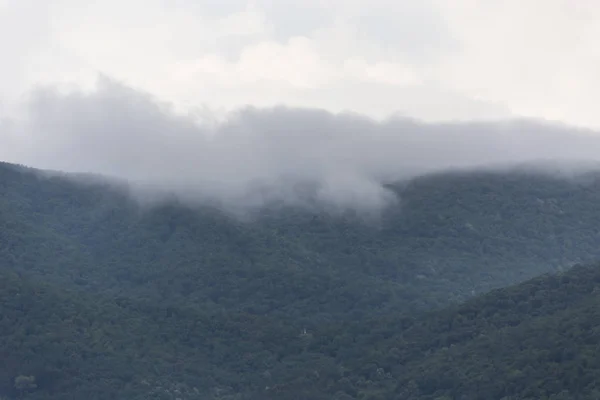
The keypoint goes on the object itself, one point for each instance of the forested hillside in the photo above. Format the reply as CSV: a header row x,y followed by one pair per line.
x,y
104,298
537,340
81,346
450,236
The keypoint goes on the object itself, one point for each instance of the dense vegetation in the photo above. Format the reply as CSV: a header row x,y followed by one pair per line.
x,y
537,340
100,297
451,236
76,346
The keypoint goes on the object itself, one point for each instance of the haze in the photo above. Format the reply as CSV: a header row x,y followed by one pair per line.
x,y
221,99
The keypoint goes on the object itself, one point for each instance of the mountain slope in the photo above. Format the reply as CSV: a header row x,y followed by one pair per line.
x,y
450,237
537,340
77,346
103,298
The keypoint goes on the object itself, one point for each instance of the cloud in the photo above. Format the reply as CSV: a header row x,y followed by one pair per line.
x,y
254,155
535,58
538,57
24,29
229,54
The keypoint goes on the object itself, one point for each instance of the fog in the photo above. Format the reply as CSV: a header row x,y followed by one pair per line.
x,y
252,156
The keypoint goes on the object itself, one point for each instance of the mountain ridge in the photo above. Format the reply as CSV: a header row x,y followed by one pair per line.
x,y
300,301
456,231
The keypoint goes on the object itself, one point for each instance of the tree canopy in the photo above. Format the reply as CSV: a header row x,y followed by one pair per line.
x,y
106,298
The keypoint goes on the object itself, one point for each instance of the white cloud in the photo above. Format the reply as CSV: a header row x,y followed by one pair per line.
x,y
186,53
483,58
537,56
381,72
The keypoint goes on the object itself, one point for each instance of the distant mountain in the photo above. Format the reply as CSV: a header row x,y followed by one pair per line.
x,y
451,236
101,297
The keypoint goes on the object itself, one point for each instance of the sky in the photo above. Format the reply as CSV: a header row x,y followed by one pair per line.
x,y
224,95
429,59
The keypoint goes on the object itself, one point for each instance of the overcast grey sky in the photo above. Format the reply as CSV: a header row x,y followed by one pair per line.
x,y
431,59
155,90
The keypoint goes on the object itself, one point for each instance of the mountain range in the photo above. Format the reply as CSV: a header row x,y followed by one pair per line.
x,y
462,288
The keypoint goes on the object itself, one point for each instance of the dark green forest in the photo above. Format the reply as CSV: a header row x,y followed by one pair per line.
x,y
104,298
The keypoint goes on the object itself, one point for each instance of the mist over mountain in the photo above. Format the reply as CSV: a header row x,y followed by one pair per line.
x,y
180,299
255,156
299,200
101,298
452,235
273,253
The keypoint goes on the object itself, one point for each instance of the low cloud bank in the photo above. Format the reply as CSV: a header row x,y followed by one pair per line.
x,y
253,156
